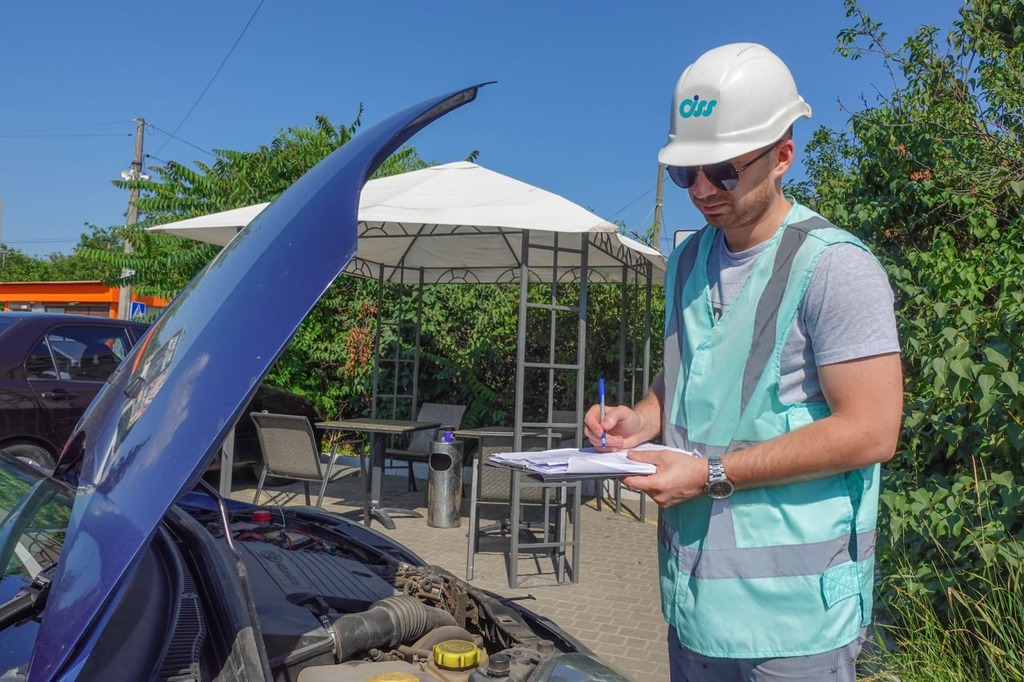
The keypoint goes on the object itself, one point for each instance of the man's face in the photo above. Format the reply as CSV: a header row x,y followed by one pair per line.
x,y
745,205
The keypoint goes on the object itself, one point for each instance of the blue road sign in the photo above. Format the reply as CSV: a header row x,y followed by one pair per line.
x,y
138,310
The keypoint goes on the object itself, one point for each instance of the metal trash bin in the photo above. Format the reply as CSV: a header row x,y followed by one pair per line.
x,y
444,481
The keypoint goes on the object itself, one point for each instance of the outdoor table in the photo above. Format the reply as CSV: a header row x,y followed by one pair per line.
x,y
378,430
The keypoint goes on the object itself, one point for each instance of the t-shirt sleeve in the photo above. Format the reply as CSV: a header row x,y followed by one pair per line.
x,y
848,307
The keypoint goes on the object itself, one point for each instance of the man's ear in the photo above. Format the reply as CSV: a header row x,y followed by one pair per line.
x,y
786,155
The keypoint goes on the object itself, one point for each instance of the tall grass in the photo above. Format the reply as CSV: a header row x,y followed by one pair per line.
x,y
979,638
952,553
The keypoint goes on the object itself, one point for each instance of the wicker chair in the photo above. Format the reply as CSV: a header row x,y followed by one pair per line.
x,y
290,451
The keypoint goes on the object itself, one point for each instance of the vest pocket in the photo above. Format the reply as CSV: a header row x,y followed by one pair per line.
x,y
839,583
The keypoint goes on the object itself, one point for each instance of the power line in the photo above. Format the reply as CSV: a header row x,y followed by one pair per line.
x,y
632,202
74,127
205,151
216,73
12,135
38,241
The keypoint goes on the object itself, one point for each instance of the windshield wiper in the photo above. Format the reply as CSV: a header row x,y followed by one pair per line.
x,y
30,599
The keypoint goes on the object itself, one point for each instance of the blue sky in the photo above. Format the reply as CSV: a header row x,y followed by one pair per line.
x,y
580,108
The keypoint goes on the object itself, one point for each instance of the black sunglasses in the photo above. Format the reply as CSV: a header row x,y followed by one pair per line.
x,y
722,175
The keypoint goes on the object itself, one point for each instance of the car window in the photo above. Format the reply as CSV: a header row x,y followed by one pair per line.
x,y
35,514
40,364
78,354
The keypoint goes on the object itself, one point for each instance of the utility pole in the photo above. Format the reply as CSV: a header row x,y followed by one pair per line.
x,y
124,299
658,195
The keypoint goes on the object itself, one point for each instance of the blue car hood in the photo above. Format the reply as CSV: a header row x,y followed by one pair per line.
x,y
149,435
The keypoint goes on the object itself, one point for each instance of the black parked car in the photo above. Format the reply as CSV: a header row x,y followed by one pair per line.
x,y
52,365
120,568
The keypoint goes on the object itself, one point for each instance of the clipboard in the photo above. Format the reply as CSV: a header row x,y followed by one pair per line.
x,y
571,464
553,477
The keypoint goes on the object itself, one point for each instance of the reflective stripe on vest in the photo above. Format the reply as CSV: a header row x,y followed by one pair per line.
x,y
779,571
764,562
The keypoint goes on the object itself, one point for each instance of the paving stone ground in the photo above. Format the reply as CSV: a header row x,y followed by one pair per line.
x,y
614,607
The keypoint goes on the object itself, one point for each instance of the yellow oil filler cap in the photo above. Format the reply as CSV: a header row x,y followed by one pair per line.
x,y
456,654
394,676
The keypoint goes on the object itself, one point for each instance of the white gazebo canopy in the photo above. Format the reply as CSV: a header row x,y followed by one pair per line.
x,y
460,222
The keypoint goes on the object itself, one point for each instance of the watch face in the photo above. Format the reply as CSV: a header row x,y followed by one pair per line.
x,y
719,490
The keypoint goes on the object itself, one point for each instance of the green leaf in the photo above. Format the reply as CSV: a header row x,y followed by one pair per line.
x,y
987,401
996,357
1012,381
1003,478
961,367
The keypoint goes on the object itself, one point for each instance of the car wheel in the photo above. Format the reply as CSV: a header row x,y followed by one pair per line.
x,y
32,453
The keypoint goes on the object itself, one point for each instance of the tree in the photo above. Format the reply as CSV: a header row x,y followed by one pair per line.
x,y
16,266
78,266
162,264
932,176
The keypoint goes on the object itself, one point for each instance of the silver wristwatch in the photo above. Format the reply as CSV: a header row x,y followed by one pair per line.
x,y
718,486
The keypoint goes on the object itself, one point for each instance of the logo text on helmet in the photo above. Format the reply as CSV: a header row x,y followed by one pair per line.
x,y
696,107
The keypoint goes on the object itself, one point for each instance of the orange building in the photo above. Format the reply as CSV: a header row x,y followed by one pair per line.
x,y
81,298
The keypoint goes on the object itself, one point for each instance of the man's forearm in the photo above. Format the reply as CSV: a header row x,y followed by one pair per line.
x,y
650,409
823,448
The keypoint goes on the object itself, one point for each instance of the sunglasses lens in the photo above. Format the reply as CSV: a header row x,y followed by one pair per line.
x,y
722,175
684,176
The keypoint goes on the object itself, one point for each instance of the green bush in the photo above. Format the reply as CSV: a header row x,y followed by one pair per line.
x,y
939,534
931,175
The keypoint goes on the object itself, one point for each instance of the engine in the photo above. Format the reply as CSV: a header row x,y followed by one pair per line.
x,y
332,610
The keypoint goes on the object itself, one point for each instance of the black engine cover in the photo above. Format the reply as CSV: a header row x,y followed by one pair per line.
x,y
292,587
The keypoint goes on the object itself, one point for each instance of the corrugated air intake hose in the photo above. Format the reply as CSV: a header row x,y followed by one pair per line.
x,y
386,624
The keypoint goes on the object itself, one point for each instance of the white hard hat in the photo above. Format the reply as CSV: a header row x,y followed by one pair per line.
x,y
734,99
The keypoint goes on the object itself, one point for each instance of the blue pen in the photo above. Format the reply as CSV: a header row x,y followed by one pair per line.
x,y
600,397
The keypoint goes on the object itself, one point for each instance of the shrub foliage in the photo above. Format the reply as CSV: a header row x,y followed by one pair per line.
x,y
931,173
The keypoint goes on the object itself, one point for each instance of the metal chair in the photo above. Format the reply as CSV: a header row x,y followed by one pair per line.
x,y
418,447
290,451
513,489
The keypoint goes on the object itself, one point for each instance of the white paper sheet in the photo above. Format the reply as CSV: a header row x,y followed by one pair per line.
x,y
586,461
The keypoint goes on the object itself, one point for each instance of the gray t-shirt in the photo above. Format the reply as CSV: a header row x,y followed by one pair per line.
x,y
846,313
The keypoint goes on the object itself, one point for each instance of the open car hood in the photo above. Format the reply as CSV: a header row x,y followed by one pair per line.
x,y
155,427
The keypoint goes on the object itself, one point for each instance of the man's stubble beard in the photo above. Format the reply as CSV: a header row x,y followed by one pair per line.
x,y
747,211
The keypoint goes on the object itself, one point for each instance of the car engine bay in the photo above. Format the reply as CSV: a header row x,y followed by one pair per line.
x,y
333,609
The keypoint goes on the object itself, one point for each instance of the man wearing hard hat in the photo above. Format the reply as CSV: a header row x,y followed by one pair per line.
x,y
782,373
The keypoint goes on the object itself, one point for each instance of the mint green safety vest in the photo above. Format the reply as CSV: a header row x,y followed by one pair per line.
x,y
783,570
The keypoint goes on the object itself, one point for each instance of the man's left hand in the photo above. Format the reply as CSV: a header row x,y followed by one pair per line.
x,y
679,477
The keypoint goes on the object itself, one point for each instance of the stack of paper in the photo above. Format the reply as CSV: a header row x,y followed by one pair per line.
x,y
587,462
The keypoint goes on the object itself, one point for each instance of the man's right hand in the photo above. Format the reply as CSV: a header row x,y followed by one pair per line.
x,y
626,427
623,426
